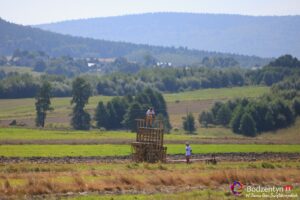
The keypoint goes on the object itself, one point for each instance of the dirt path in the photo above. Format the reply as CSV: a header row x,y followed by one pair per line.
x,y
242,157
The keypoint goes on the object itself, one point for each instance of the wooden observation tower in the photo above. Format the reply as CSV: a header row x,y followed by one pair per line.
x,y
148,146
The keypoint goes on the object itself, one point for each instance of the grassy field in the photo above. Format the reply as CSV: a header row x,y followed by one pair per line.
x,y
22,70
96,180
141,181
14,135
121,150
41,134
24,108
291,133
222,93
26,134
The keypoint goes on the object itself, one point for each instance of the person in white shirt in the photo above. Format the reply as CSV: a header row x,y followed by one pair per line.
x,y
188,152
150,114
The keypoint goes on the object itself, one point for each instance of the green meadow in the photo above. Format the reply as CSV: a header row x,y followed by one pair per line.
x,y
221,93
122,150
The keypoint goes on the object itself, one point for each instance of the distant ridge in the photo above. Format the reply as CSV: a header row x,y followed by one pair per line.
x,y
13,36
265,36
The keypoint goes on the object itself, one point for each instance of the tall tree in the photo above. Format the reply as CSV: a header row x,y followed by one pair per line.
x,y
247,126
217,105
134,112
159,103
205,118
101,116
189,123
81,92
112,115
42,104
119,106
223,115
236,119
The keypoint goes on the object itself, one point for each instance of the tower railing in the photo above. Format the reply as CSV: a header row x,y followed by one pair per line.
x,y
149,123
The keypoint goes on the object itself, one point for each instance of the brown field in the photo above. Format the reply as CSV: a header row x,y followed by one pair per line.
x,y
105,178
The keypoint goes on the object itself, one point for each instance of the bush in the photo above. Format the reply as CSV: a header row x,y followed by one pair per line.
x,y
13,123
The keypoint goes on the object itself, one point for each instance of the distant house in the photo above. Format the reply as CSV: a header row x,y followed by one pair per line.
x,y
164,64
91,64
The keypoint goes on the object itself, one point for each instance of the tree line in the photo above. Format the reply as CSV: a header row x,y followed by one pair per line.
x,y
24,85
119,84
171,80
254,116
270,112
119,113
17,85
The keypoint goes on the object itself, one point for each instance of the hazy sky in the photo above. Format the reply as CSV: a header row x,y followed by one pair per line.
x,y
41,11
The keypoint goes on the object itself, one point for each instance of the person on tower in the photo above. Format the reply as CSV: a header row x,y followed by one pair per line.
x,y
150,115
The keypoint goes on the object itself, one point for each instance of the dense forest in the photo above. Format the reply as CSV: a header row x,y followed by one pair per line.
x,y
13,36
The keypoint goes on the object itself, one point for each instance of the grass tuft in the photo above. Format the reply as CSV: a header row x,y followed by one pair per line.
x,y
267,165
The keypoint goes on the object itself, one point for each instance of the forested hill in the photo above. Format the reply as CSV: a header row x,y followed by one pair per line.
x,y
265,36
13,36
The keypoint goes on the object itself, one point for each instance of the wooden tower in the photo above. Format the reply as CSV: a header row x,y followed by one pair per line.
x,y
148,146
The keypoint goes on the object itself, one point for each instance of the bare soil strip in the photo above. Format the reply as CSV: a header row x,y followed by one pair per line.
x,y
170,158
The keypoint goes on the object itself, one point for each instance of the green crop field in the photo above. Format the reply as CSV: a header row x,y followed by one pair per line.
x,y
121,150
26,134
289,135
